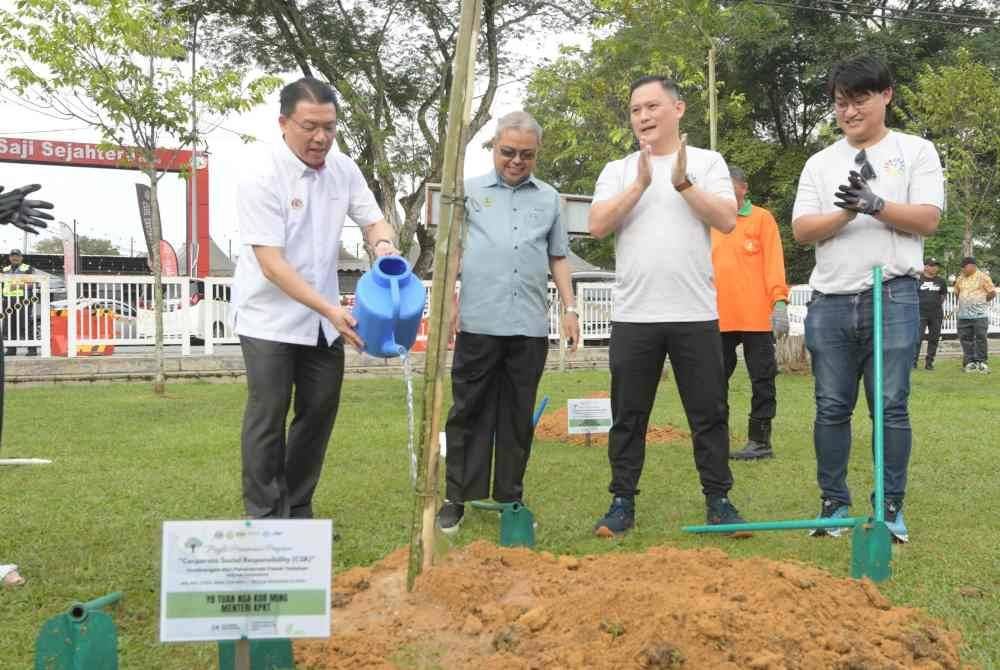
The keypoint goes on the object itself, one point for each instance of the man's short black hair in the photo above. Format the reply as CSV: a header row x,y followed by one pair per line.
x,y
310,89
668,84
859,75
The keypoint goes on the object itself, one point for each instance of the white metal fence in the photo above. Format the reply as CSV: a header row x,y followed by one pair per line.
x,y
799,296
101,313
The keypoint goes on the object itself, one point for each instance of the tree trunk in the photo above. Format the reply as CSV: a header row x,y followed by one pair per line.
x,y
159,373
792,354
967,237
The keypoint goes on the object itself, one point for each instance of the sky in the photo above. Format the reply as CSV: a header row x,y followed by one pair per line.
x,y
103,203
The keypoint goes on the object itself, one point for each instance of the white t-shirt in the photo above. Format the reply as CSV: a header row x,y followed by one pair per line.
x,y
907,171
663,254
284,203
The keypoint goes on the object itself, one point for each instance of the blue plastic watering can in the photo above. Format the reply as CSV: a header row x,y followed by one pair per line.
x,y
388,304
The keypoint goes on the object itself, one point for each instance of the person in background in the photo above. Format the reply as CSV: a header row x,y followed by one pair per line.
x,y
515,238
974,289
752,294
932,290
18,308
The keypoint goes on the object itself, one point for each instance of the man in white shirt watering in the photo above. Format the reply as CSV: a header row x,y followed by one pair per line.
x,y
286,298
867,200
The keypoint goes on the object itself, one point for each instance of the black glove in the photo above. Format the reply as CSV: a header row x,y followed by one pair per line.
x,y
24,214
858,196
10,202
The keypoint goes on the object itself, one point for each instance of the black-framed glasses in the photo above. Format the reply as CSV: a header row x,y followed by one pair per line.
x,y
510,152
864,167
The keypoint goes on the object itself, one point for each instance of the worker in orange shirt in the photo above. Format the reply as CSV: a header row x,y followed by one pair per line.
x,y
751,291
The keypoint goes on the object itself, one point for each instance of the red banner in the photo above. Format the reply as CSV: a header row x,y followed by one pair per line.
x,y
56,152
168,259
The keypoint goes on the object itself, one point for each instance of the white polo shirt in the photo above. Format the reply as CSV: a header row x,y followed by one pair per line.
x,y
284,203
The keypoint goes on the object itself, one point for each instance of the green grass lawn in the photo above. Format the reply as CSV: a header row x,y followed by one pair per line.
x,y
124,461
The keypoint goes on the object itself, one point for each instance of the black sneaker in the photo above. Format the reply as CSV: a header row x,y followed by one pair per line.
x,y
929,365
619,519
449,517
720,510
753,451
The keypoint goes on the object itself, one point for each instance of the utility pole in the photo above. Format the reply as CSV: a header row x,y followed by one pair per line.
x,y
192,246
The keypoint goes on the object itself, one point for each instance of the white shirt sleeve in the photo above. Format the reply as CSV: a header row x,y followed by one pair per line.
x,y
927,178
716,179
807,198
362,207
609,184
259,212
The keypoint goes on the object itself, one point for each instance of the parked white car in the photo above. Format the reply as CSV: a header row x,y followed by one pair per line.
x,y
205,317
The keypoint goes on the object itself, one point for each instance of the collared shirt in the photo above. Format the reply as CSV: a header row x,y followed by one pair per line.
x,y
284,203
512,233
973,295
907,171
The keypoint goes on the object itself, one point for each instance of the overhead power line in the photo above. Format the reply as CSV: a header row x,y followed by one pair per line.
x,y
888,14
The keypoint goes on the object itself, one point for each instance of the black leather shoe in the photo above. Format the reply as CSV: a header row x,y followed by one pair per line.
x,y
753,451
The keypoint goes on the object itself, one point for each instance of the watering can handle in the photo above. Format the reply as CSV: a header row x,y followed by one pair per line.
x,y
394,291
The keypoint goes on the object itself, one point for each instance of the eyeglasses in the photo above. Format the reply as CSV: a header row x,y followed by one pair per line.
x,y
510,152
860,102
864,167
329,129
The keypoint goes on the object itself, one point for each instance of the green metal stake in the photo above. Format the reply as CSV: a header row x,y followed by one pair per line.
x,y
871,543
82,638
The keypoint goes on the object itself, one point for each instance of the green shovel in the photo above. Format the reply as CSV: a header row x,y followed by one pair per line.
x,y
871,541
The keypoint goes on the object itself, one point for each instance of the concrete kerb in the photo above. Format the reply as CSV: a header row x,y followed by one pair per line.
x,y
226,367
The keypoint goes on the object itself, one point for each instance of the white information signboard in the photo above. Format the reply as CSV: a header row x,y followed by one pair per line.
x,y
589,415
225,580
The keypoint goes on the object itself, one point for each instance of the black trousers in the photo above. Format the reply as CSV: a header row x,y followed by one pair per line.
x,y
931,325
494,381
762,366
280,472
636,356
972,334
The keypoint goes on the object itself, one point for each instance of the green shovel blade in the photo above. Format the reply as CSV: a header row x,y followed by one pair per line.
x,y
871,551
64,644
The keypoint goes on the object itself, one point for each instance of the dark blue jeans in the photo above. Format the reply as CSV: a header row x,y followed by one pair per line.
x,y
839,338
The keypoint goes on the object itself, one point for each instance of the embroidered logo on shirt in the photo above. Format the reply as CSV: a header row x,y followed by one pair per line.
x,y
297,203
893,167
488,201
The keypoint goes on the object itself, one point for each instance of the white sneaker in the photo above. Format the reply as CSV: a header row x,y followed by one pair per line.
x,y
984,369
971,367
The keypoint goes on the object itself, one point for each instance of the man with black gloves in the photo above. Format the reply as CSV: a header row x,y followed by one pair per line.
x,y
932,291
893,199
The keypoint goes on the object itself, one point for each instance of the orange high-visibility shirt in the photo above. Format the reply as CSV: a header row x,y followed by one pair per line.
x,y
749,272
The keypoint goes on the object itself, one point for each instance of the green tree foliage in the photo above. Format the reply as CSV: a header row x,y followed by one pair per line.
x,y
116,65
91,246
390,63
772,68
958,106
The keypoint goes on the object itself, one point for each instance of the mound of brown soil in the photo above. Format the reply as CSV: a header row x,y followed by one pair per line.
x,y
492,608
552,427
